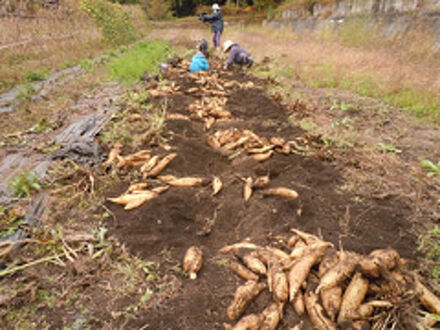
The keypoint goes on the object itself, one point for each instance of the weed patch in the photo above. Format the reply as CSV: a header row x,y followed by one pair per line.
x,y
23,184
32,76
145,56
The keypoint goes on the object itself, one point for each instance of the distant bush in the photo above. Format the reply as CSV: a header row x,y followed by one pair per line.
x,y
156,9
145,56
114,22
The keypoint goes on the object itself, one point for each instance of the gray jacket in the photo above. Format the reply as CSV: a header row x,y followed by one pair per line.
x,y
238,55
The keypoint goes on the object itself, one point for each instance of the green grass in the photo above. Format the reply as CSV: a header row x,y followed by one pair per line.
x,y
421,103
32,76
145,56
26,92
23,184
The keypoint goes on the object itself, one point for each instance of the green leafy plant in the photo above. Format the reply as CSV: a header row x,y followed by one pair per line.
x,y
31,76
143,57
26,92
433,169
23,184
113,20
388,148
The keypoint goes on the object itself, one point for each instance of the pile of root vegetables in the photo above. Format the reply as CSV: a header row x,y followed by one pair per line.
x,y
334,288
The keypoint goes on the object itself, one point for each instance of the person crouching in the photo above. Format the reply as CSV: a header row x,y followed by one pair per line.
x,y
237,55
199,62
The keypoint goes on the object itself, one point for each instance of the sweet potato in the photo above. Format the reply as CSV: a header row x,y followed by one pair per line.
x,y
243,297
261,182
176,116
262,150
243,272
247,189
213,142
149,165
160,189
316,313
298,303
113,154
282,192
298,274
331,301
366,310
353,296
237,246
127,198
161,165
192,261
279,284
345,267
254,264
248,322
330,260
279,142
285,149
181,182
217,185
262,157
318,247
236,144
136,187
427,298
280,254
142,199
293,240
135,159
272,316
379,259
306,237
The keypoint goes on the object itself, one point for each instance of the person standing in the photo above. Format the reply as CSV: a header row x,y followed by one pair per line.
x,y
216,20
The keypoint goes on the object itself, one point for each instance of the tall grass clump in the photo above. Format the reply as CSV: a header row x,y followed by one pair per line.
x,y
357,32
113,20
145,56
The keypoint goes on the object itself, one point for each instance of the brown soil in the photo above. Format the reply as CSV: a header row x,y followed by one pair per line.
x,y
183,217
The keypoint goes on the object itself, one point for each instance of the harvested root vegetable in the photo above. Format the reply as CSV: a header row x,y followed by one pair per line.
x,y
285,149
140,200
180,182
192,261
379,259
127,198
293,240
298,303
279,284
262,157
136,186
237,246
243,272
148,166
243,297
427,298
353,296
272,316
161,165
298,274
247,189
340,272
209,122
262,150
308,238
176,116
366,310
279,142
280,254
136,159
331,301
248,322
316,313
113,154
261,182
330,260
217,185
192,90
254,264
235,144
282,192
213,142
317,247
159,190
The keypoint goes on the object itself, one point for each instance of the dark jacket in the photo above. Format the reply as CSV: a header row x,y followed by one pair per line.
x,y
238,55
216,21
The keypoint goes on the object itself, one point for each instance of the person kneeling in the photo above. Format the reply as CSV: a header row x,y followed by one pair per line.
x,y
237,55
199,62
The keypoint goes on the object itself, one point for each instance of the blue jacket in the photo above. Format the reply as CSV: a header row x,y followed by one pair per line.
x,y
199,63
216,20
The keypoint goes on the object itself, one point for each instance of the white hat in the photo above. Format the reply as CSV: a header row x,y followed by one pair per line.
x,y
227,45
215,7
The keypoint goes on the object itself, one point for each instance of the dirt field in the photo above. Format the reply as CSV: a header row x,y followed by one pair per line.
x,y
127,268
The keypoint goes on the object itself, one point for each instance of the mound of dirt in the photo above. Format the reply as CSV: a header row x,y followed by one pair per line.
x,y
183,217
